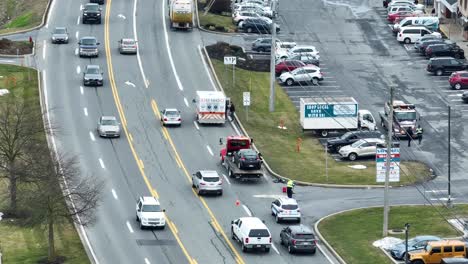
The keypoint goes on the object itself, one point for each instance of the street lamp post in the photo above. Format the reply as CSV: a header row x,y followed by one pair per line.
x,y
407,226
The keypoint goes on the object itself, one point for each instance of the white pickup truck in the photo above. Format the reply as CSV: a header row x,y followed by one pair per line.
x,y
251,233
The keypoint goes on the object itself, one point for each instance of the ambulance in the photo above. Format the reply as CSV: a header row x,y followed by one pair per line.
x,y
211,107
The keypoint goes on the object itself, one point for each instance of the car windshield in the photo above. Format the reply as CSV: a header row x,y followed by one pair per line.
x,y
289,206
92,7
107,122
259,233
346,135
211,179
249,154
412,241
88,41
304,236
128,42
172,113
92,71
60,31
405,116
357,143
151,208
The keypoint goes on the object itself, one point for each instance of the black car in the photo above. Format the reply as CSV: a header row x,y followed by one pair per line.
x,y
298,238
258,25
465,97
439,50
334,144
91,13
248,159
101,2
306,58
421,47
443,65
262,45
88,47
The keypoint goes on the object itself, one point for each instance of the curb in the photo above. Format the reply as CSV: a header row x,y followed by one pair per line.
x,y
329,247
44,18
274,174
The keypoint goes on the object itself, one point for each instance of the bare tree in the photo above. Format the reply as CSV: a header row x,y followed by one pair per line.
x,y
21,127
61,193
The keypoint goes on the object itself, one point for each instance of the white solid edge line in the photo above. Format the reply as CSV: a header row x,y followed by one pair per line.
x,y
274,248
147,261
196,125
186,102
81,90
323,253
54,146
206,67
85,110
91,135
114,194
44,49
226,178
247,210
102,163
78,20
135,35
129,227
209,150
166,36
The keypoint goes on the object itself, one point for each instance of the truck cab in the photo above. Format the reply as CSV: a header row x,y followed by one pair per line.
x,y
234,144
405,117
241,166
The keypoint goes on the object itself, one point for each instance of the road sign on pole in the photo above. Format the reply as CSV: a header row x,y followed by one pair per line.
x,y
230,60
246,98
381,164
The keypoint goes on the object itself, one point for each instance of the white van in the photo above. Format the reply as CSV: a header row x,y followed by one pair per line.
x,y
251,233
412,34
430,22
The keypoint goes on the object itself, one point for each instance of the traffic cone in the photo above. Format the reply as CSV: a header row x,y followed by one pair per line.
x,y
237,202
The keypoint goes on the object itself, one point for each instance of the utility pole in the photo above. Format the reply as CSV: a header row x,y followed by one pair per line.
x,y
406,256
272,67
387,163
449,189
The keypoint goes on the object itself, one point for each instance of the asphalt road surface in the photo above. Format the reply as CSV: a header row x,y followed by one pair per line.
x,y
359,52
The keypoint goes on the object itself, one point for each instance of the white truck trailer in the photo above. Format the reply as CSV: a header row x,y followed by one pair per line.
x,y
334,114
211,107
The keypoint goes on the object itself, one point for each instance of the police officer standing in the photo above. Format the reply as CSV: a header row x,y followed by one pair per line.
x,y
289,188
419,134
410,134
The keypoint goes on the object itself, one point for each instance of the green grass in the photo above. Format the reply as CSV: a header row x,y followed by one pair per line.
x,y
279,146
21,21
218,20
20,244
352,233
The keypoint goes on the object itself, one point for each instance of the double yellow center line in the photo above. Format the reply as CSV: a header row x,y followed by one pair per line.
x,y
167,136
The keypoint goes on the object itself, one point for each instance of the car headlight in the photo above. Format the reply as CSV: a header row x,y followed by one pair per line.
x,y
85,14
98,14
54,38
66,37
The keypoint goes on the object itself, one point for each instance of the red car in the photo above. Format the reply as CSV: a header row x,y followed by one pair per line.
x,y
459,80
399,15
288,65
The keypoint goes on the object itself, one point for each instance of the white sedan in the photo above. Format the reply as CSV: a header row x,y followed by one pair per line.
x,y
171,116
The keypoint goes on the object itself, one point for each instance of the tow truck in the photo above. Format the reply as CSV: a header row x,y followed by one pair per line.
x,y
404,118
234,144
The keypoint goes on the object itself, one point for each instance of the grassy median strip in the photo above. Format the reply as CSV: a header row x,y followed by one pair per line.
x,y
21,14
352,233
20,243
279,147
217,21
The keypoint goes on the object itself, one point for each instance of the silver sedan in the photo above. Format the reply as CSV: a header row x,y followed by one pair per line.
x,y
127,46
171,116
108,127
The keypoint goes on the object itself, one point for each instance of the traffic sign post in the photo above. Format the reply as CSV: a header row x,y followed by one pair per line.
x,y
246,100
231,60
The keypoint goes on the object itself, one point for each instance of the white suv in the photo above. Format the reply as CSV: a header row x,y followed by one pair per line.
x,y
308,73
299,49
251,233
149,213
285,209
361,148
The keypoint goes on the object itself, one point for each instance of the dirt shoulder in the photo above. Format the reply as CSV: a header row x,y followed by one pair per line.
x,y
8,47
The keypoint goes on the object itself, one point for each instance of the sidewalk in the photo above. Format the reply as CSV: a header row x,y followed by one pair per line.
x,y
454,32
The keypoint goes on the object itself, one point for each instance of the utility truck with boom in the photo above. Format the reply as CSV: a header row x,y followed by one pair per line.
x,y
404,118
334,114
238,165
181,14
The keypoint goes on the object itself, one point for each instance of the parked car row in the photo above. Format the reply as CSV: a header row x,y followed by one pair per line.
x,y
254,16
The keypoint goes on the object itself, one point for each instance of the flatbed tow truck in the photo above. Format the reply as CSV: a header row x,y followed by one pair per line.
x,y
234,144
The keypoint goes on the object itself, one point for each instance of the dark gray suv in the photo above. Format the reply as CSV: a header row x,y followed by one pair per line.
x,y
262,45
334,144
298,238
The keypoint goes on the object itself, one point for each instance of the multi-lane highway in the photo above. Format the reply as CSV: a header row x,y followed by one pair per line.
x,y
152,160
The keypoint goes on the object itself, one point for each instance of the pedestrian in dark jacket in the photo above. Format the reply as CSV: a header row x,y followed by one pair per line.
x,y
232,109
410,134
